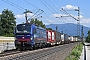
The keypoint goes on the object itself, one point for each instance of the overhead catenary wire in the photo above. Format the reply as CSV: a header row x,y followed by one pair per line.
x,y
46,18
78,21
35,7
61,15
39,13
50,6
56,2
16,5
54,6
36,11
13,4
21,8
35,15
31,4
55,11
46,6
69,14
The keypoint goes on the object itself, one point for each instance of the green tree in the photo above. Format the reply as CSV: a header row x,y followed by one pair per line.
x,y
49,28
7,23
32,21
88,37
1,30
38,22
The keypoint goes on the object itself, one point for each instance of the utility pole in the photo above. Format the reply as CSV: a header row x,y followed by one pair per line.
x,y
78,23
27,11
56,28
82,34
78,20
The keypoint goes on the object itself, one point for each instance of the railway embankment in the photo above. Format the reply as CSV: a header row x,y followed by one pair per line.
x,y
75,53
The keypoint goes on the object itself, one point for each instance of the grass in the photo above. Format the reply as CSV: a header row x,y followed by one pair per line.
x,y
75,53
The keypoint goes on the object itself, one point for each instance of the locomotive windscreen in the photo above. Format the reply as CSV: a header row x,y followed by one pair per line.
x,y
23,28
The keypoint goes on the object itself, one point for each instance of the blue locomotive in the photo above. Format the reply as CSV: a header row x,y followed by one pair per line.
x,y
29,36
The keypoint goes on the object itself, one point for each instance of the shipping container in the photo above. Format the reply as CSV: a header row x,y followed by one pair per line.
x,y
66,40
50,37
71,39
58,37
62,38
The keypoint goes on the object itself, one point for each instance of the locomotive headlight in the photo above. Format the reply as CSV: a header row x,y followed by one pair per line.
x,y
31,37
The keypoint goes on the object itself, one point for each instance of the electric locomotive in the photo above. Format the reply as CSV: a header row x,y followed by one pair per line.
x,y
29,36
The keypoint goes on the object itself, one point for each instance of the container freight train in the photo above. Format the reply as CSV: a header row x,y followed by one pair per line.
x,y
30,36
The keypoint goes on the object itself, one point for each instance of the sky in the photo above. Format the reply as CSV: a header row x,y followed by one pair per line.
x,y
49,10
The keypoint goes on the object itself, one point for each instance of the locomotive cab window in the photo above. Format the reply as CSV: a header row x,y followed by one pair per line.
x,y
34,31
23,28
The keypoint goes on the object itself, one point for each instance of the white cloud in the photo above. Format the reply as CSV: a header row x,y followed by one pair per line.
x,y
50,21
80,16
61,20
65,15
58,15
22,16
30,14
85,22
70,7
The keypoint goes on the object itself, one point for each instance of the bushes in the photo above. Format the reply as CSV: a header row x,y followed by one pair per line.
x,y
76,52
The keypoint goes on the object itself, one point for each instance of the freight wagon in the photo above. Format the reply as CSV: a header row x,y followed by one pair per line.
x,y
50,37
66,40
58,37
62,38
71,39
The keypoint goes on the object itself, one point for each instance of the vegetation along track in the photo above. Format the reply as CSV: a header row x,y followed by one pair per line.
x,y
53,53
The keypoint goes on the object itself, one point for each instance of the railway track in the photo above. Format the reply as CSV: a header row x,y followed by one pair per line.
x,y
11,52
53,53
